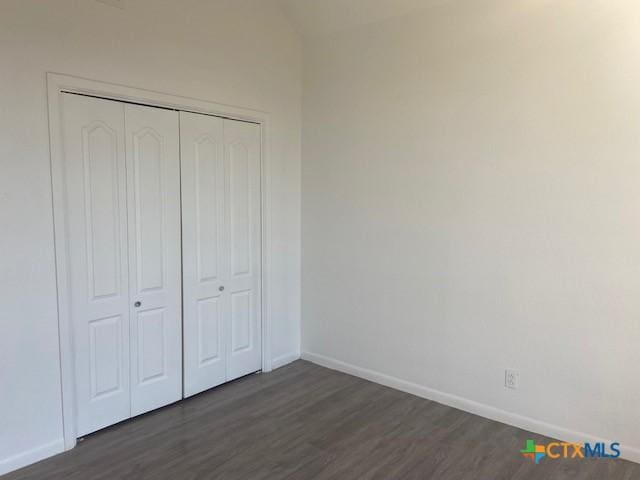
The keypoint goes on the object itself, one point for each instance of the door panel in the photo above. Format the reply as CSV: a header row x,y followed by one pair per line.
x,y
147,168
96,224
204,257
242,219
101,203
152,332
207,155
105,347
153,176
239,205
241,324
220,161
209,330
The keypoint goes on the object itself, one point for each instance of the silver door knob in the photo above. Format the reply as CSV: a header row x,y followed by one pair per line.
x,y
137,304
221,288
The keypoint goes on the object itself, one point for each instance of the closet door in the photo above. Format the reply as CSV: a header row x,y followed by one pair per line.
x,y
96,227
205,258
221,249
242,220
153,178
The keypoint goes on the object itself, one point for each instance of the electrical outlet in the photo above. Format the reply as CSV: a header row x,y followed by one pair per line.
x,y
511,379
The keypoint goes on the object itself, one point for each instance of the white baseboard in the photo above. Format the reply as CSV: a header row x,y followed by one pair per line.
x,y
31,456
285,359
492,413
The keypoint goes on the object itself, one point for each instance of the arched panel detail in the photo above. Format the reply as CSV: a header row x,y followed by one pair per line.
x,y
207,235
240,209
148,159
102,210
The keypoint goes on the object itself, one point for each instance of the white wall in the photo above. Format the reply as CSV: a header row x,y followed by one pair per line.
x,y
471,202
239,52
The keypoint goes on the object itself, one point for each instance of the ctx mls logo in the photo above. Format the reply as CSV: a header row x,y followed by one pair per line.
x,y
553,450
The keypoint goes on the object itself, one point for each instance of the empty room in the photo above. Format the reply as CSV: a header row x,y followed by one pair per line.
x,y
320,239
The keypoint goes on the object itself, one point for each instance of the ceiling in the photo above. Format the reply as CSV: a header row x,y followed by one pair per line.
x,y
322,17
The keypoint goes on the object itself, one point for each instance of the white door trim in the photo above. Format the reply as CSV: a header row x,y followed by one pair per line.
x,y
59,83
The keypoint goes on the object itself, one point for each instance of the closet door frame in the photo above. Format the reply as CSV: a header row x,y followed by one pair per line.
x,y
58,84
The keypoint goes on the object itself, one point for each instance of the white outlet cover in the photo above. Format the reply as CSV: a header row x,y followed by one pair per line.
x,y
511,379
113,3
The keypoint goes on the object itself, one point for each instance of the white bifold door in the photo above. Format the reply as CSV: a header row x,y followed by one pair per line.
x,y
162,230
122,221
221,232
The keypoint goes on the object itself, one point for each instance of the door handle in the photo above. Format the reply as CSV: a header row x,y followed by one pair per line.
x,y
137,304
221,288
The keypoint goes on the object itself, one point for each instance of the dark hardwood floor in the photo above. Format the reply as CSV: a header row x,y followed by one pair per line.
x,y
307,422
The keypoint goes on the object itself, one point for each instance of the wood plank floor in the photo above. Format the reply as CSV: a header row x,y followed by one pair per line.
x,y
307,422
